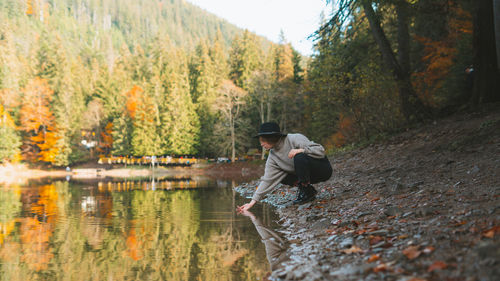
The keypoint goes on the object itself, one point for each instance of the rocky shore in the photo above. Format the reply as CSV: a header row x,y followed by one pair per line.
x,y
422,205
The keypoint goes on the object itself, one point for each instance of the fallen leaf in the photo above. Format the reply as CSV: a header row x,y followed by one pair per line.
x,y
353,249
381,267
437,265
490,233
404,236
318,207
331,231
412,252
375,199
428,250
376,240
460,223
374,258
361,231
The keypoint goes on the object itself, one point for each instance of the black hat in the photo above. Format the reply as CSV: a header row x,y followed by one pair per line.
x,y
269,129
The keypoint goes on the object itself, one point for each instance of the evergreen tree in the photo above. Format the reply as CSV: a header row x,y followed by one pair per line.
x,y
145,140
204,91
9,139
122,136
179,123
244,58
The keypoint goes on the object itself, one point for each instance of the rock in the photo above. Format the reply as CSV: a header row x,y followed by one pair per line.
x,y
304,206
489,249
424,211
351,269
393,211
364,214
474,170
346,243
321,224
380,232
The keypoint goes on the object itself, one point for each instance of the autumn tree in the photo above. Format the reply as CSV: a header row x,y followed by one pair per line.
x,y
38,121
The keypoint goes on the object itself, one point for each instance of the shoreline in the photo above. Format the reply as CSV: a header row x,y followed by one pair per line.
x,y
16,173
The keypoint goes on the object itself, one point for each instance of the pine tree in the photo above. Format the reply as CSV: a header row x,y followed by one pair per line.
x,y
179,123
9,139
244,58
122,136
204,91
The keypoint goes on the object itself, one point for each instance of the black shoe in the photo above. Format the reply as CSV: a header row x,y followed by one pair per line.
x,y
300,194
306,194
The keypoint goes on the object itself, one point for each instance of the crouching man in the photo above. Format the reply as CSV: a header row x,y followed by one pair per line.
x,y
293,160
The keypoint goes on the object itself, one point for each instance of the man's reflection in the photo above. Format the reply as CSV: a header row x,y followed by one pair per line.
x,y
274,244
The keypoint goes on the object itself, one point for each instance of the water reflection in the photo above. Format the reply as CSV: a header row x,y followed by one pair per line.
x,y
137,230
274,244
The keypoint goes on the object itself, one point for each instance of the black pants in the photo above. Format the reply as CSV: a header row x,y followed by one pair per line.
x,y
308,170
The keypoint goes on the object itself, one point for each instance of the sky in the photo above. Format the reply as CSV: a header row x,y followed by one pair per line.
x,y
297,18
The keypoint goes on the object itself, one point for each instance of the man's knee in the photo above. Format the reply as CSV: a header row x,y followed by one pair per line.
x,y
300,158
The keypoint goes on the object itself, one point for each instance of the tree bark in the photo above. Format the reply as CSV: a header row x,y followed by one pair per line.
x,y
411,106
486,73
496,16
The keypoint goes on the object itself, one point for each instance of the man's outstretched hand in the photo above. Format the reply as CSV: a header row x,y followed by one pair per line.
x,y
245,207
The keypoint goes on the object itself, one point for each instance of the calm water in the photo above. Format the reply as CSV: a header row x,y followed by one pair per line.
x,y
167,229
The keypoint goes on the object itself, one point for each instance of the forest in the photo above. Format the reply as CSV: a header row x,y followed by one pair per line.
x,y
81,79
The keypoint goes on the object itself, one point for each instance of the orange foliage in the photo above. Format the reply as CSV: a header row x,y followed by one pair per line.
x,y
132,100
37,119
35,237
46,206
440,55
106,139
29,7
5,119
340,137
35,112
35,234
46,142
6,229
134,246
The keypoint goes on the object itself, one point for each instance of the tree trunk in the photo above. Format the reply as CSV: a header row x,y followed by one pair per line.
x,y
496,16
233,141
411,106
486,73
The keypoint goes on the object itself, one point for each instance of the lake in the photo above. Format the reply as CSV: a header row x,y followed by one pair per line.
x,y
176,228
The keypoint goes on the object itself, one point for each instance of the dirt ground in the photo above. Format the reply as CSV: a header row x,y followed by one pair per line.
x,y
422,205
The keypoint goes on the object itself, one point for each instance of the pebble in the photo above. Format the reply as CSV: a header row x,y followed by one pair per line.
x,y
346,243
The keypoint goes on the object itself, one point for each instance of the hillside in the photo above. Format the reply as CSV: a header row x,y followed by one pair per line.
x,y
95,24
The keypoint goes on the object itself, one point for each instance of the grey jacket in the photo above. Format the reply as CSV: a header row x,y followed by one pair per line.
x,y
278,165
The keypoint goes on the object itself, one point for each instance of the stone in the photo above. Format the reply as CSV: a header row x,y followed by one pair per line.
x,y
346,243
392,211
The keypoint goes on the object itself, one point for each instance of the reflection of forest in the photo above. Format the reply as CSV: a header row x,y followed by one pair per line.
x,y
178,182
61,231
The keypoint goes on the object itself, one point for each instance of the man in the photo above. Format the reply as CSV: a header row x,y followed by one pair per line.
x,y
293,160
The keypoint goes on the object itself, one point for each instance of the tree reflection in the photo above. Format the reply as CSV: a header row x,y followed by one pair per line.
x,y
62,231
